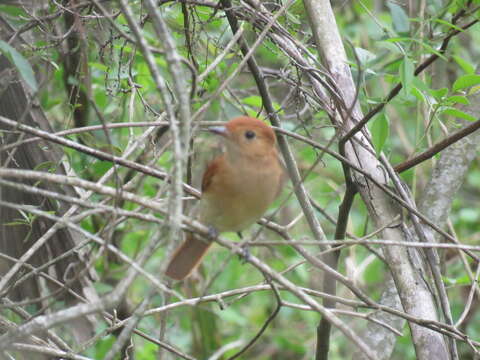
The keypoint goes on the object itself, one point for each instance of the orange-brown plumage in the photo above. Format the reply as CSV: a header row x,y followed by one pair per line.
x,y
237,187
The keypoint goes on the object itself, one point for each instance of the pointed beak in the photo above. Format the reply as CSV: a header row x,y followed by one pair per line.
x,y
219,130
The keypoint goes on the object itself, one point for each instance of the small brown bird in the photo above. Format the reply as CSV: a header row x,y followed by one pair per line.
x,y
237,187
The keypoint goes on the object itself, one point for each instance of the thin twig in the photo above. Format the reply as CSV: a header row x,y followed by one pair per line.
x,y
265,324
394,92
439,146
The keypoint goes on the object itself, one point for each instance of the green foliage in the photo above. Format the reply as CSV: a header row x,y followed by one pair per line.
x,y
380,132
400,19
406,75
466,81
467,67
22,65
385,46
458,114
11,10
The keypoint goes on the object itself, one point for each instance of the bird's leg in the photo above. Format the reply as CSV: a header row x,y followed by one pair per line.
x,y
245,255
212,232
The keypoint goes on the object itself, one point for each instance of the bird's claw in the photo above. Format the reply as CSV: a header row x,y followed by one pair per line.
x,y
244,254
212,232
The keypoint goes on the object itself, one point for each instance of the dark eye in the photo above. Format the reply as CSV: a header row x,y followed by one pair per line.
x,y
249,134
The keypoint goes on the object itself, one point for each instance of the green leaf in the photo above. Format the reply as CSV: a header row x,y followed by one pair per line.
x,y
12,10
398,39
22,65
103,346
458,99
423,44
469,215
211,82
133,240
99,168
466,81
48,166
459,114
99,66
400,20
375,272
406,74
232,68
101,99
380,131
449,280
47,102
465,65
431,49
418,94
252,113
463,280
420,84
146,351
450,25
474,89
16,223
278,108
364,56
439,93
293,18
255,101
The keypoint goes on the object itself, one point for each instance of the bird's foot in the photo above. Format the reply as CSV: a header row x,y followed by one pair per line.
x,y
244,255
212,232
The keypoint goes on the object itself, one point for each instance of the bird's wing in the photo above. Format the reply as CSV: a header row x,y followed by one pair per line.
x,y
210,172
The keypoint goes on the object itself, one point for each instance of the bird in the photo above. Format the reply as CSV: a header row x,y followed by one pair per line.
x,y
238,187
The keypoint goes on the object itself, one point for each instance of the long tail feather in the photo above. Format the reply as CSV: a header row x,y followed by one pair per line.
x,y
186,257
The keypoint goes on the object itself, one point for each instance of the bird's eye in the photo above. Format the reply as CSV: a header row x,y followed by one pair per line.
x,y
249,134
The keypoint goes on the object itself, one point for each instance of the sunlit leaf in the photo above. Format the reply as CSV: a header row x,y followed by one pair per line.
x,y
450,25
438,93
458,99
466,81
254,100
459,114
417,93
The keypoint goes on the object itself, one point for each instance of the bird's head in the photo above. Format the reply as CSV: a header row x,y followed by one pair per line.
x,y
247,136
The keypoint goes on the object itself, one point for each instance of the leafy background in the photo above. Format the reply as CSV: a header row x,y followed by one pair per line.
x,y
384,42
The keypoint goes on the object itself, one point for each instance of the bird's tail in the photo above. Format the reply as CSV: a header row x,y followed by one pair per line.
x,y
187,257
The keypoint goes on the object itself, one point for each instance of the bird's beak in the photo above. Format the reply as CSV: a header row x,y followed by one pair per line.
x,y
219,130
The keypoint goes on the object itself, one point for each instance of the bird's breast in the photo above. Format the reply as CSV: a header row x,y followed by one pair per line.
x,y
239,196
